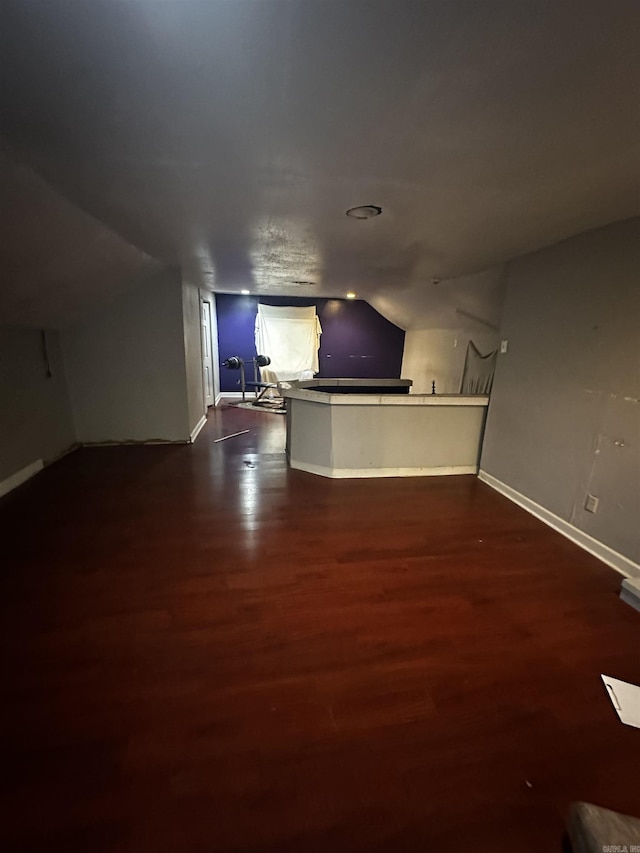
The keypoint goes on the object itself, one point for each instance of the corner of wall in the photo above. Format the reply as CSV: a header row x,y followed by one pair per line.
x,y
126,366
36,424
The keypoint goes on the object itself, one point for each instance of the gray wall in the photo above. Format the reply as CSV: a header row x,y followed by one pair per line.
x,y
126,366
35,413
193,353
564,417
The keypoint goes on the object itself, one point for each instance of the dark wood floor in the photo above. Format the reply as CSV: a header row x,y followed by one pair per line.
x,y
205,651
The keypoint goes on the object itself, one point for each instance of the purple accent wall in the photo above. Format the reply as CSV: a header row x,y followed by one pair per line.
x,y
356,341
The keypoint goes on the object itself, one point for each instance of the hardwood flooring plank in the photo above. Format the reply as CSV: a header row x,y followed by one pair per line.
x,y
206,651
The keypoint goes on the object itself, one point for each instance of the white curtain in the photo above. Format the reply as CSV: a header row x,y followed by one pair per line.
x,y
291,339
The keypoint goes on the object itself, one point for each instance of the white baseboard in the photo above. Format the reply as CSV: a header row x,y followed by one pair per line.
x,y
630,593
354,473
20,477
230,395
598,549
134,442
196,430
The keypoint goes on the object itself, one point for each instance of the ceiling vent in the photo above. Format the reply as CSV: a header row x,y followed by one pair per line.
x,y
365,211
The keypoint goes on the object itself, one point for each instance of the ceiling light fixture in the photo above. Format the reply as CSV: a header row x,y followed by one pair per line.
x,y
351,295
245,292
365,211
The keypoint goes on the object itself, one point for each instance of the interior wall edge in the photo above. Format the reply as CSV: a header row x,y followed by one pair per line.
x,y
195,432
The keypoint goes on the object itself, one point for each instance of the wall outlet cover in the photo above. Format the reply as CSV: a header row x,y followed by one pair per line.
x,y
504,346
591,503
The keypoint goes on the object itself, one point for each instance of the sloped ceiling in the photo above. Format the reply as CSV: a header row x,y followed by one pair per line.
x,y
56,260
231,137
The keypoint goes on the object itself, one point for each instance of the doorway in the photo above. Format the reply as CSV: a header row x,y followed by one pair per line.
x,y
207,349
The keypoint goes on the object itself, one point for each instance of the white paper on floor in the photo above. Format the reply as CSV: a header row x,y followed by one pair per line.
x,y
625,698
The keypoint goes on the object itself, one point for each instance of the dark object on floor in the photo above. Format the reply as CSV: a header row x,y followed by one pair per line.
x,y
271,404
593,829
275,405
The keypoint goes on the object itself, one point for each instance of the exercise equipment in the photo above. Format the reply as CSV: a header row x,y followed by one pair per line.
x,y
235,362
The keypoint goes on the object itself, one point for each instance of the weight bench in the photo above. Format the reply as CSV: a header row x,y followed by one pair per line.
x,y
255,385
235,362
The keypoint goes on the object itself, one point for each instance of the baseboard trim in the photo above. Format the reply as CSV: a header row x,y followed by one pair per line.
x,y
132,442
630,593
196,430
596,548
364,473
229,395
20,477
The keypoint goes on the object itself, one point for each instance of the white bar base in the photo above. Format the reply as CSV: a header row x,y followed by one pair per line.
x,y
598,549
20,477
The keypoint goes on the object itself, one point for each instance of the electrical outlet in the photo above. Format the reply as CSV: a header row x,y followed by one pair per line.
x,y
591,503
504,346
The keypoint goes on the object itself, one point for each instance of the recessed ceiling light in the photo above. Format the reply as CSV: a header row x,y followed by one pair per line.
x,y
365,211
351,295
245,292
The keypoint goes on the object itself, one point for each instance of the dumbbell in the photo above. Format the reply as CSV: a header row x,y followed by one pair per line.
x,y
235,362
